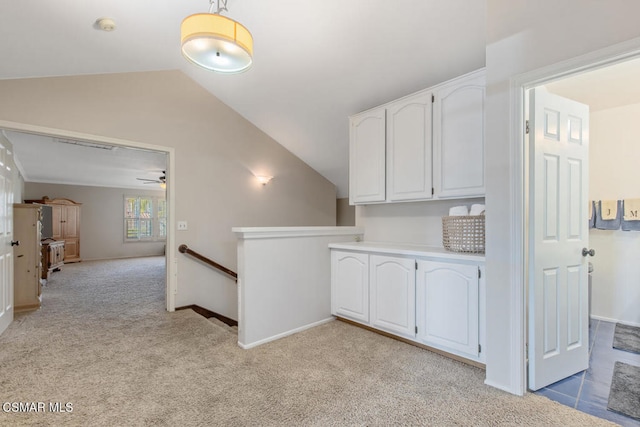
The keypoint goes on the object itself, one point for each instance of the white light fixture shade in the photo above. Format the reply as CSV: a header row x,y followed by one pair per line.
x,y
216,43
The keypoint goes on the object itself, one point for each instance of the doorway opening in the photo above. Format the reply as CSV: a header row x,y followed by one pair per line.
x,y
602,84
168,164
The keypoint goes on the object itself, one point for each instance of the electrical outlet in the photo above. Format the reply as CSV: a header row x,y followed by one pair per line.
x,y
182,225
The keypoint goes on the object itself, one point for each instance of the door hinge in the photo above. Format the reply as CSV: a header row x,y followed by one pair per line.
x,y
526,127
479,273
416,265
479,348
433,98
432,191
416,329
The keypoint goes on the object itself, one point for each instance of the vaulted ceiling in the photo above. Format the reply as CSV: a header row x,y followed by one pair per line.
x,y
315,63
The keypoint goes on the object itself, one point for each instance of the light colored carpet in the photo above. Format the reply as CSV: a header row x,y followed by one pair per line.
x,y
103,342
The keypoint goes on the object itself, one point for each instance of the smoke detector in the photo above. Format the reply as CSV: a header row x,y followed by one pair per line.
x,y
105,24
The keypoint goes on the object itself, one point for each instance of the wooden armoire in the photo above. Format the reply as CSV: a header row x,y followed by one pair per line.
x,y
26,256
66,225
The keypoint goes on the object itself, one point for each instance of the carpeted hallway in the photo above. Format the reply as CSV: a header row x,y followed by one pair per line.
x,y
104,343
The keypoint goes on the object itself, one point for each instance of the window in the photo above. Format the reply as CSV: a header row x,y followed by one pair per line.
x,y
145,218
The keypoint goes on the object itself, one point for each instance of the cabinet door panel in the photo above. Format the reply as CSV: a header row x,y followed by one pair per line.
x,y
27,257
71,249
447,306
392,287
56,221
350,285
459,138
367,157
409,148
71,221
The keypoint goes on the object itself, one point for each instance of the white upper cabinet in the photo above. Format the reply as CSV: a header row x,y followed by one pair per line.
x,y
429,145
409,148
367,176
458,137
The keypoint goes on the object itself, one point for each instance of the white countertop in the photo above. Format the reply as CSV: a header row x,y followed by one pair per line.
x,y
407,249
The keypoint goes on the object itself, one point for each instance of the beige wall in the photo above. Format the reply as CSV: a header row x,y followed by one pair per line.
x,y
345,213
216,154
101,219
524,36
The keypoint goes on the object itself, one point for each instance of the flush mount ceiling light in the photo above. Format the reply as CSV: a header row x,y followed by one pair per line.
x,y
215,42
105,24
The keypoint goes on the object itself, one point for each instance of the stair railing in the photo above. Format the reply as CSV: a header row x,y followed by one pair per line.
x,y
184,249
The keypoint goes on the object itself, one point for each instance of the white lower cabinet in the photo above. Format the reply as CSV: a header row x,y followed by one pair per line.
x,y
436,301
392,287
350,285
447,306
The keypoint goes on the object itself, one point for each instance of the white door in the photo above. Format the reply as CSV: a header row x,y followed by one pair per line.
x,y
558,288
6,233
393,294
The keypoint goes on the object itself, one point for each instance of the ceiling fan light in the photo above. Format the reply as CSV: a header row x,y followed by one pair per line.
x,y
216,43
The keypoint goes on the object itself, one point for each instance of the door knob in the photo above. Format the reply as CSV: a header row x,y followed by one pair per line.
x,y
15,243
586,252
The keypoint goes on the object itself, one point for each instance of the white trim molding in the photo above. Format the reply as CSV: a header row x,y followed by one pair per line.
x,y
520,187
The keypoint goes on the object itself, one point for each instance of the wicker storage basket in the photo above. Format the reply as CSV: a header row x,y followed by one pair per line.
x,y
463,233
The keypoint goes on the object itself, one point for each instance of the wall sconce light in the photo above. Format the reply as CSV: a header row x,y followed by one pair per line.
x,y
264,180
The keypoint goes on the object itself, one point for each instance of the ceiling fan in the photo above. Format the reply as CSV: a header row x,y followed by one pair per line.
x,y
161,179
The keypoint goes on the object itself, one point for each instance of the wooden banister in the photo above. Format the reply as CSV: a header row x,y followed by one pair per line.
x,y
184,249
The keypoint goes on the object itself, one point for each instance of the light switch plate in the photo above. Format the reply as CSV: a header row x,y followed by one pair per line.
x,y
182,225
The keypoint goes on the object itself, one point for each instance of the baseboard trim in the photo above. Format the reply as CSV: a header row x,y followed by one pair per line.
x,y
284,334
208,313
608,319
503,388
416,344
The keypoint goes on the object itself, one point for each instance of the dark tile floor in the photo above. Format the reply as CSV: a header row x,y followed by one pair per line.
x,y
588,391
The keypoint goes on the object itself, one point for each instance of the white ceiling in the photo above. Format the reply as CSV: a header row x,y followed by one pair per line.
x,y
315,64
604,88
63,161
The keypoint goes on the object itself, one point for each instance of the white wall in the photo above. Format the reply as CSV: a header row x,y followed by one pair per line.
x,y
613,155
412,222
217,152
101,219
523,36
284,279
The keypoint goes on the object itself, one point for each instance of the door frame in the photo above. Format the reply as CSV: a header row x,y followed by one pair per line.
x,y
171,280
520,162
